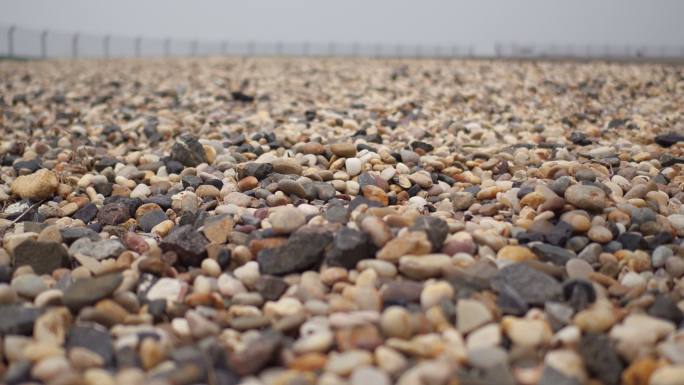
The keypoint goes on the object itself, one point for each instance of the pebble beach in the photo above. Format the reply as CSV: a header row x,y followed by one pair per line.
x,y
284,221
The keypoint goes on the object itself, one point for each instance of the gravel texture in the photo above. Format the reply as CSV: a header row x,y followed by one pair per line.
x,y
319,221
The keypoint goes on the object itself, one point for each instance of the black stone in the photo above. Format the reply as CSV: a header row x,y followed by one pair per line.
x,y
665,307
533,286
151,219
242,97
559,234
174,167
427,147
510,302
349,247
189,244
113,214
29,165
17,319
270,287
188,151
554,254
600,358
579,293
164,201
303,250
435,228
104,163
93,338
131,203
104,188
632,241
86,213
669,139
257,170
43,257
579,138
156,308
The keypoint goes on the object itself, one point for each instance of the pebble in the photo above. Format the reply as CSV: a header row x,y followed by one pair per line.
x,y
286,220
40,185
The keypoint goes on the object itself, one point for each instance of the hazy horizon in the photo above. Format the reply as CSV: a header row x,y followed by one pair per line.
x,y
431,22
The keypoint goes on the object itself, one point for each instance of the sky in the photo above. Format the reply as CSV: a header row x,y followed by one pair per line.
x,y
479,23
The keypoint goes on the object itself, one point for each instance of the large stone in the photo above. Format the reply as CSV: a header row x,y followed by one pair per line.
x,y
87,291
303,250
40,185
43,257
93,338
188,151
190,245
107,248
17,319
601,360
586,197
435,228
532,286
349,247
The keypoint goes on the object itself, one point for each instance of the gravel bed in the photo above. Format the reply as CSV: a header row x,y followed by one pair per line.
x,y
318,221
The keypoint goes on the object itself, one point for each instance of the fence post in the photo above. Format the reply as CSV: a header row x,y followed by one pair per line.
x,y
43,43
10,40
224,48
105,46
74,45
138,42
167,47
305,48
355,49
250,48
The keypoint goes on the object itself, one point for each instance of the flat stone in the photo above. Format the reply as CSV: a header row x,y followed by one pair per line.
x,y
87,291
554,254
17,319
286,220
151,219
93,338
43,257
303,250
113,214
601,360
586,197
532,286
40,185
86,213
106,248
435,228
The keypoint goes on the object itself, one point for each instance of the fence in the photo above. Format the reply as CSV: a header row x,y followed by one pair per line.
x,y
18,42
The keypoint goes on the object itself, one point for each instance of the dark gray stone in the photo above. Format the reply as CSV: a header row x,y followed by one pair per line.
x,y
93,338
17,319
349,247
189,244
84,292
303,250
533,286
43,257
188,151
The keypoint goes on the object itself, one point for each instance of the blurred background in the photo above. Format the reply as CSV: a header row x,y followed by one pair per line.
x,y
618,29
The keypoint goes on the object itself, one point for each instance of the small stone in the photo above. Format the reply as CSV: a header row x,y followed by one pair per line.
x,y
554,254
43,257
87,291
93,338
86,213
586,197
344,363
187,243
343,150
411,243
396,322
434,293
169,289
578,268
28,285
217,228
99,250
353,166
349,247
151,219
600,358
435,228
600,234
286,220
188,151
668,375
533,286
113,214
471,314
526,332
42,184
368,375
515,253
17,319
302,250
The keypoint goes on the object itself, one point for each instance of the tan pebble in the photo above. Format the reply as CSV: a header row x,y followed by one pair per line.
x,y
516,253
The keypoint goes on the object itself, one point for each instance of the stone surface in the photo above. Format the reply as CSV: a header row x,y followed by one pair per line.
x,y
40,185
87,291
43,257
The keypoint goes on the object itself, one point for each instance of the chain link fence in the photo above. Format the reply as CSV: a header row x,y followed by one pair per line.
x,y
19,42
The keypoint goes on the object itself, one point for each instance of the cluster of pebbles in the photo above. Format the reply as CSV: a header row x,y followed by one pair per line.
x,y
275,221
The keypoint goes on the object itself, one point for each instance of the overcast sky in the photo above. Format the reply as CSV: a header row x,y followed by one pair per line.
x,y
481,22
